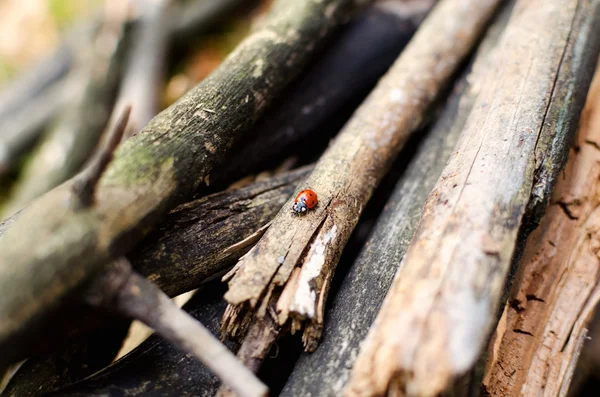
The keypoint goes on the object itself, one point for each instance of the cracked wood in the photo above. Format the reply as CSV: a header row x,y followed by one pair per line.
x,y
345,176
364,287
442,304
537,341
154,170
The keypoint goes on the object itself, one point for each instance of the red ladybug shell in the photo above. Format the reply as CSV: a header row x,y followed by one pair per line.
x,y
310,198
306,198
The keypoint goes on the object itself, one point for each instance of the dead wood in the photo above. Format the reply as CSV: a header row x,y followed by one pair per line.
x,y
442,304
154,170
289,270
145,64
35,99
201,239
364,286
538,339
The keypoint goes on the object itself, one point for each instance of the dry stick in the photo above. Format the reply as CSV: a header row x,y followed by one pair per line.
x,y
65,149
355,305
196,242
536,340
438,313
152,171
199,240
347,70
296,257
132,295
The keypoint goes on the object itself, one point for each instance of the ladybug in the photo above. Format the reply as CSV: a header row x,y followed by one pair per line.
x,y
305,200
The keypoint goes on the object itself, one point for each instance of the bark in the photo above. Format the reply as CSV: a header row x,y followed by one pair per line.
x,y
364,286
201,239
538,339
154,170
296,257
442,304
156,368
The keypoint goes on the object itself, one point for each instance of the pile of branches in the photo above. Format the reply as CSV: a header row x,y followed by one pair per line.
x,y
452,249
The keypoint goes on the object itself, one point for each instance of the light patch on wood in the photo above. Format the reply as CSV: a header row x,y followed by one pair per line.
x,y
259,66
304,301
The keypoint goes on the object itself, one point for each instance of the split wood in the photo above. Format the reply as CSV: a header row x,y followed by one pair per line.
x,y
53,248
537,342
439,312
287,274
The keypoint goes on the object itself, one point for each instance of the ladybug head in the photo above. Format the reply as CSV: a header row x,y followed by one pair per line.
x,y
300,207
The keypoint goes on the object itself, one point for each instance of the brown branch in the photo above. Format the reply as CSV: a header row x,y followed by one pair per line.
x,y
308,247
439,311
356,302
555,309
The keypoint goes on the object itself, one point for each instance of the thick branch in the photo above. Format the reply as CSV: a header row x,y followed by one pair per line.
x,y
364,286
297,256
155,169
439,311
536,341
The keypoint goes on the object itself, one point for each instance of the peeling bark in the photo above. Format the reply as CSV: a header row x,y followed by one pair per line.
x,y
152,171
556,289
346,175
348,172
364,287
439,312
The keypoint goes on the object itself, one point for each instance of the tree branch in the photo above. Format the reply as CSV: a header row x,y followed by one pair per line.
x,y
363,288
296,257
439,312
154,170
552,312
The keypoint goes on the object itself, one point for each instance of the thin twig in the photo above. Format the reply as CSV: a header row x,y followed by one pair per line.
x,y
85,183
132,295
